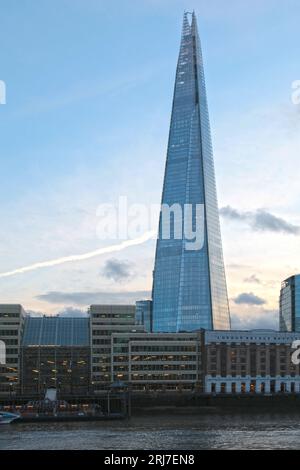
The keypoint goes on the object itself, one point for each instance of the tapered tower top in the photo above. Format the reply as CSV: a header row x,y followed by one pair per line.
x,y
189,285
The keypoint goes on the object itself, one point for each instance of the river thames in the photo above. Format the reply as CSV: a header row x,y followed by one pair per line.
x,y
172,432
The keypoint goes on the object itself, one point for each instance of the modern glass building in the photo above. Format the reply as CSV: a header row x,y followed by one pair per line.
x,y
143,314
56,353
290,304
56,331
189,286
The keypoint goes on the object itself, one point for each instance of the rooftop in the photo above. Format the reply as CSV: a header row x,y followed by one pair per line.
x,y
56,331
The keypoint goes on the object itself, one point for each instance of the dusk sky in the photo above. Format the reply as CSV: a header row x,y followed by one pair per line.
x,y
89,94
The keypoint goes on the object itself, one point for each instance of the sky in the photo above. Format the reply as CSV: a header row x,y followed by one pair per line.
x,y
89,88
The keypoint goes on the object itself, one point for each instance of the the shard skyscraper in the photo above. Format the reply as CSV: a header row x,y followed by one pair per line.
x,y
189,286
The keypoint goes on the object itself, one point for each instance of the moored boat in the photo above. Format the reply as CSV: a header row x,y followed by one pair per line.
x,y
7,418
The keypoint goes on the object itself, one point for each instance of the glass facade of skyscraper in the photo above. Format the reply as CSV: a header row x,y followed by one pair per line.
x,y
143,314
290,304
189,286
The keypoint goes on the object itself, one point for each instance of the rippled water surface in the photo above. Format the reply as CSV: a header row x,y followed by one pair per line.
x,y
173,432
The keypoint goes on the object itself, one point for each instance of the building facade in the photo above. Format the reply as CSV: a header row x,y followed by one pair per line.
x,y
106,320
143,315
81,356
158,362
290,304
257,362
56,353
189,284
11,328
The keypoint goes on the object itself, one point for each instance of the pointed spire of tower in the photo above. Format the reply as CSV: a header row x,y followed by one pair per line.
x,y
194,25
186,28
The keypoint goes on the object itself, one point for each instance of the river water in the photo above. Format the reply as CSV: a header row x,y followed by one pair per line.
x,y
158,432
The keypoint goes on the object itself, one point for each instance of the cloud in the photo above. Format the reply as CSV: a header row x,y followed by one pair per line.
x,y
248,299
233,214
260,320
33,313
260,220
117,270
252,279
70,312
265,221
238,266
89,298
66,312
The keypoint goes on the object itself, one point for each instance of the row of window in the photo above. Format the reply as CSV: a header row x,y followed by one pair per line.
x,y
9,315
164,367
9,333
262,387
164,348
11,342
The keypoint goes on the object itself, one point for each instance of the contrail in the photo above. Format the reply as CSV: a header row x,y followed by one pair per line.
x,y
92,254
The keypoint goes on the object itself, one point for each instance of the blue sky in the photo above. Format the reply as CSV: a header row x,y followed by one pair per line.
x,y
89,90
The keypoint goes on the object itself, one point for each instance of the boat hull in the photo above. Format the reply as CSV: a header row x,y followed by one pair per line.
x,y
7,418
